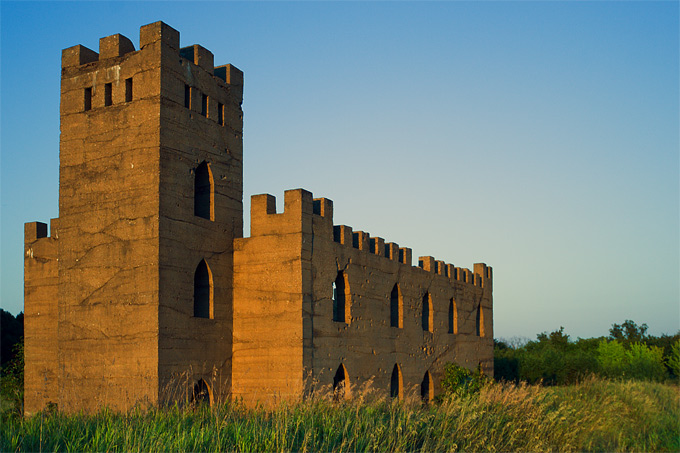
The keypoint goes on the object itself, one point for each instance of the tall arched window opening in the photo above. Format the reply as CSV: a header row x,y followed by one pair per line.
x,y
396,307
204,192
427,388
203,291
396,383
341,384
428,314
341,308
479,321
453,317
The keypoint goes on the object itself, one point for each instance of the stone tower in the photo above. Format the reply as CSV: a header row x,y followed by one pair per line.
x,y
150,202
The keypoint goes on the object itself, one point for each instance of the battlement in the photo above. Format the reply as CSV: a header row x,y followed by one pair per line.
x,y
300,206
157,42
38,230
117,45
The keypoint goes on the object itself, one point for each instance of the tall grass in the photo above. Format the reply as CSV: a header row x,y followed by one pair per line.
x,y
594,415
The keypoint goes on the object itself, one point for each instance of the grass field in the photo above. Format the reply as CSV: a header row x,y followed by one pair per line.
x,y
596,415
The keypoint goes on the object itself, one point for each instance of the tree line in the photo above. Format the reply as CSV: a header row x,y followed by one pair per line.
x,y
628,352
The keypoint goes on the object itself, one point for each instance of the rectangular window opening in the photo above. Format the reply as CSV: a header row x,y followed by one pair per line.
x,y
187,96
220,114
128,90
204,105
88,99
108,95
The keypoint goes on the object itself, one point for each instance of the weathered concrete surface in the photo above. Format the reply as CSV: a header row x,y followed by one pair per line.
x,y
284,333
146,291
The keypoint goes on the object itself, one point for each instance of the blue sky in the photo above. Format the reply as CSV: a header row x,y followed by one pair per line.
x,y
539,137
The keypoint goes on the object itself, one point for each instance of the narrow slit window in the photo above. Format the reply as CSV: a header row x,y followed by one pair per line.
x,y
203,291
204,104
128,90
220,114
187,96
396,308
88,99
108,94
453,317
204,192
340,299
427,320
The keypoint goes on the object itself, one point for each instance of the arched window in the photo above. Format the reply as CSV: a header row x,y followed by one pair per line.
x,y
396,383
341,384
428,314
396,307
453,317
203,291
201,393
204,192
479,321
341,308
427,388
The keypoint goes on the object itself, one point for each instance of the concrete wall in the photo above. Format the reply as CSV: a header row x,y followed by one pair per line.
x,y
273,307
268,301
41,284
108,226
208,133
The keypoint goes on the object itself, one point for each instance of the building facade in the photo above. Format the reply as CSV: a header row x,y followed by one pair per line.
x,y
145,290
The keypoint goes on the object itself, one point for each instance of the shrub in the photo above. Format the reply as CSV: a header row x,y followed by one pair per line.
x,y
638,362
460,381
673,360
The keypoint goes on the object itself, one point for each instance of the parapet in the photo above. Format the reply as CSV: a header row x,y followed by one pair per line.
x,y
158,32
301,208
264,220
38,230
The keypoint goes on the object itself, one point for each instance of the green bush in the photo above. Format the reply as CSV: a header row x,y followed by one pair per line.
x,y
673,360
460,381
638,362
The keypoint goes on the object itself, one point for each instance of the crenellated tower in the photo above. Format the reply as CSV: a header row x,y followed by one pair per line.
x,y
151,168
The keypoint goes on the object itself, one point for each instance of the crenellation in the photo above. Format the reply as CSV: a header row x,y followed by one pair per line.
x,y
392,251
114,46
324,208
229,74
342,234
34,231
158,32
360,240
200,56
77,56
406,256
440,267
427,263
377,246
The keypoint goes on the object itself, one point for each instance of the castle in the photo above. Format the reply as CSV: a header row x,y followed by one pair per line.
x,y
146,277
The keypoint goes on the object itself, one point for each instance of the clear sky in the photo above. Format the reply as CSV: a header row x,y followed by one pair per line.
x,y
539,137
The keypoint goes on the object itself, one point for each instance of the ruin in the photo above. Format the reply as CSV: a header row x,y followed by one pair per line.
x,y
145,290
